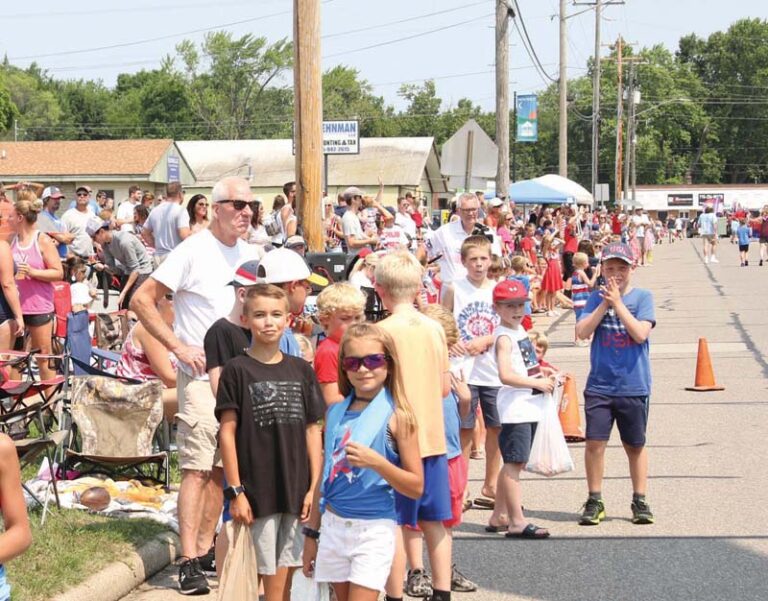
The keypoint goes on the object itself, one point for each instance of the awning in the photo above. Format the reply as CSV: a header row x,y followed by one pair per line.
x,y
534,192
579,193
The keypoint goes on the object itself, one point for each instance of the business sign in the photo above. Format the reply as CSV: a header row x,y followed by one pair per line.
x,y
716,201
174,169
680,200
527,118
341,137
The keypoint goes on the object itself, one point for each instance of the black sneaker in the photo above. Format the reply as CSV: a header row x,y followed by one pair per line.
x,y
208,562
418,584
192,581
641,512
593,512
460,583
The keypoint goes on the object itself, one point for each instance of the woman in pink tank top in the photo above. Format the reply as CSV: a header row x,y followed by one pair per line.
x,y
38,266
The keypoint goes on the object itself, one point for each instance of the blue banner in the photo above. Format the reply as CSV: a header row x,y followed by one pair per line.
x,y
527,118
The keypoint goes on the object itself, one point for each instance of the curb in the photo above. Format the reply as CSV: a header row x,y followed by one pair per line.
x,y
119,578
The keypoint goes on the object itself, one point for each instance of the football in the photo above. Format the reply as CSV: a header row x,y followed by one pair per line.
x,y
95,498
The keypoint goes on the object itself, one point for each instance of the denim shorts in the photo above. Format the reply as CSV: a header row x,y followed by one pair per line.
x,y
485,396
629,412
515,441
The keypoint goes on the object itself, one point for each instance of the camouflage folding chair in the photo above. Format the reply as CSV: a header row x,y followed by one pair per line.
x,y
116,424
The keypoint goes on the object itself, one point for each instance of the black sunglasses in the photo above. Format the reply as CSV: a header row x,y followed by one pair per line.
x,y
371,362
239,205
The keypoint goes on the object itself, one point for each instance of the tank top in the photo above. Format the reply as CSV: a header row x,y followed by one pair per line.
x,y
579,292
36,296
135,364
475,317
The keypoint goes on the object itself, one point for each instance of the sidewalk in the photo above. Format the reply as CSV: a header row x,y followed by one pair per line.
x,y
707,462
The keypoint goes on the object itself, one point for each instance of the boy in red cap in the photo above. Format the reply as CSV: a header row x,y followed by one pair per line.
x,y
520,403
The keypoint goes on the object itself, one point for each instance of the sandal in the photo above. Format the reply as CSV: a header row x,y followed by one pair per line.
x,y
496,529
530,531
484,503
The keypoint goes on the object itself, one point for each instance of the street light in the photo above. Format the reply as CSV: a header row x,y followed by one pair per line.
x,y
663,103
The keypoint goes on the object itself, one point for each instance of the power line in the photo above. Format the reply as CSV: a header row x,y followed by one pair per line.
x,y
529,46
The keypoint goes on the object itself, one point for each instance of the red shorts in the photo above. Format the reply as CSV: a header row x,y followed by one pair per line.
x,y
458,475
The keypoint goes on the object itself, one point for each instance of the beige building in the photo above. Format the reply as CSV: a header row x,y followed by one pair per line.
x,y
404,164
109,165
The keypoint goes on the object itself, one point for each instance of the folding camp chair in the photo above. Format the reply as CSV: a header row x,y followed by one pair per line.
x,y
111,330
31,443
14,393
116,423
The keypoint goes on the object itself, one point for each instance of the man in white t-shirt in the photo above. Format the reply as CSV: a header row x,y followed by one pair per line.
x,y
124,216
168,224
446,241
403,218
76,220
350,222
197,273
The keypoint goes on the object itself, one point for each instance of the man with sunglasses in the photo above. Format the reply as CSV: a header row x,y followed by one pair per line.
x,y
76,221
198,272
85,191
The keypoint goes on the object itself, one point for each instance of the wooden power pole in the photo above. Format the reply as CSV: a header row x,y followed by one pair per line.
x,y
502,97
596,101
619,118
308,101
562,137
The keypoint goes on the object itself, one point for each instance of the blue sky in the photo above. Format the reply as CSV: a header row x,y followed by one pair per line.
x,y
449,40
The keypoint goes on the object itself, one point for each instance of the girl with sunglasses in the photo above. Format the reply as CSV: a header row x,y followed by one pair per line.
x,y
371,450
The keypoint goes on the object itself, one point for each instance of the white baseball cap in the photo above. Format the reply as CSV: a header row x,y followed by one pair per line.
x,y
284,265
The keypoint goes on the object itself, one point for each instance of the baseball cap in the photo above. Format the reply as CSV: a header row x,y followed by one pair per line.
x,y
246,273
509,291
85,188
52,192
617,250
351,192
294,241
495,202
94,225
284,265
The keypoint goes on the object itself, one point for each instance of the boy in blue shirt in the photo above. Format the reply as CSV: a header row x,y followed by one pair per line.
x,y
619,384
743,234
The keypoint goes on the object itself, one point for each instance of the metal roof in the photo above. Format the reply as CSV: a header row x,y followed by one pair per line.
x,y
270,163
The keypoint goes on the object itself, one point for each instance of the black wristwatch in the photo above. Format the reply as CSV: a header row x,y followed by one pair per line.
x,y
310,532
231,492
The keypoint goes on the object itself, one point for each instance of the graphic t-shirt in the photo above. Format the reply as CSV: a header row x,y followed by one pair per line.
x,y
519,405
618,365
476,317
223,341
274,404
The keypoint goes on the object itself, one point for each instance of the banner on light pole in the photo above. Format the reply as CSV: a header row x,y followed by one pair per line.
x,y
527,118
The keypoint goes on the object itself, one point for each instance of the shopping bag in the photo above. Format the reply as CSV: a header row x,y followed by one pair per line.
x,y
306,589
239,578
549,452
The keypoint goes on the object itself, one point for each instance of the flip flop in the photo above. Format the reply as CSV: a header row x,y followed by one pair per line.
x,y
490,528
484,503
530,531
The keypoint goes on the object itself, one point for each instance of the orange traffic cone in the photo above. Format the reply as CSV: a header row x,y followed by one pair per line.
x,y
568,412
705,377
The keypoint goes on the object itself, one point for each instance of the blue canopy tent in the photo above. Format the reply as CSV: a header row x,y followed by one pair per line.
x,y
532,192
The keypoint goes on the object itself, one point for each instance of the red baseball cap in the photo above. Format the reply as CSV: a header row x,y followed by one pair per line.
x,y
509,291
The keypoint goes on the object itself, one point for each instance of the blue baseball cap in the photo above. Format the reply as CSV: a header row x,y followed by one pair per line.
x,y
618,250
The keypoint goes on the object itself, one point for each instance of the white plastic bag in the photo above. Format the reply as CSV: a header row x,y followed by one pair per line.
x,y
306,589
549,452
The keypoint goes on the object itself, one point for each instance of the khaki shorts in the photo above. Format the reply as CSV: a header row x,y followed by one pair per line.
x,y
278,542
197,427
709,238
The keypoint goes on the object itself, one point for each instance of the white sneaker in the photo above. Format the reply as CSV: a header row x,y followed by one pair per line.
x,y
714,260
706,260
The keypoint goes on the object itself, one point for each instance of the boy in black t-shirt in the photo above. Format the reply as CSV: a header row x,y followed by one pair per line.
x,y
269,406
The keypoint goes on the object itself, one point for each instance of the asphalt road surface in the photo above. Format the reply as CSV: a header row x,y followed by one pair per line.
x,y
708,462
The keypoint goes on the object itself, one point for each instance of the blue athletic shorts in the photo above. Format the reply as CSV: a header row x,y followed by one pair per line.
x,y
435,504
515,441
629,413
485,396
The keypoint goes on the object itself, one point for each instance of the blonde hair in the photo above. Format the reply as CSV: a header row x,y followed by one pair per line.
x,y
264,291
339,297
539,339
370,260
446,319
499,267
518,263
478,242
580,259
394,381
399,275
28,205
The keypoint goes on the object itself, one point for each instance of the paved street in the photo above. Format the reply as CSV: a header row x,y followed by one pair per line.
x,y
709,473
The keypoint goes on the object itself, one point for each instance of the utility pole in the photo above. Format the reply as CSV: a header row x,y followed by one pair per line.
x,y
633,143
619,119
562,138
596,100
502,96
630,125
308,101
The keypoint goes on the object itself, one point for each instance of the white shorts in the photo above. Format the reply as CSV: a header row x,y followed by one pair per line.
x,y
358,551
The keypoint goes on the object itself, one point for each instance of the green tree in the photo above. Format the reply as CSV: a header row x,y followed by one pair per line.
x,y
347,96
38,109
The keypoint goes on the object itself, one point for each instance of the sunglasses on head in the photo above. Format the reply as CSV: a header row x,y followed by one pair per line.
x,y
239,205
371,362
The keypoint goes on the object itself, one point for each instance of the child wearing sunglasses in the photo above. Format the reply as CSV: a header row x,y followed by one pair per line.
x,y
371,450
